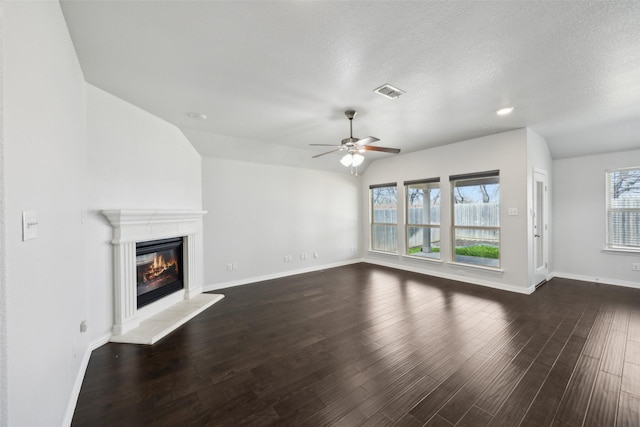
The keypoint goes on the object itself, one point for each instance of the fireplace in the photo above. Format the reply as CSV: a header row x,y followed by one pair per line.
x,y
134,230
158,269
156,256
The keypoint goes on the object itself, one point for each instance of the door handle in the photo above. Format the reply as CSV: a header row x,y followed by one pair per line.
x,y
536,235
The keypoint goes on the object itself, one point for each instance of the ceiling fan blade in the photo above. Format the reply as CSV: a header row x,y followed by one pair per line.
x,y
383,149
367,140
325,145
318,155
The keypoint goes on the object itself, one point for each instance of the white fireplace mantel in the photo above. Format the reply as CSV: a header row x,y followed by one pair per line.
x,y
132,226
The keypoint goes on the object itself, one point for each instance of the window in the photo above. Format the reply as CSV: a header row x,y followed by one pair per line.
x,y
623,209
423,218
476,218
384,217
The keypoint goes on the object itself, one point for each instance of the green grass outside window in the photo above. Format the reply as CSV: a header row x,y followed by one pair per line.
x,y
481,251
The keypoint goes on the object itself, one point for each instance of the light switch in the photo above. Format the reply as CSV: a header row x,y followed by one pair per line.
x,y
29,225
513,211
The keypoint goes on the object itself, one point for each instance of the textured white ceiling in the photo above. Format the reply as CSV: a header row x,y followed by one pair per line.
x,y
272,75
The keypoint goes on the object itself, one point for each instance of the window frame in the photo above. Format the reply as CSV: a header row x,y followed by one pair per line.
x,y
609,245
429,227
452,187
373,223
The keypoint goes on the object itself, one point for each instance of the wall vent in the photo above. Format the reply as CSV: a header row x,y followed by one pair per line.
x,y
389,91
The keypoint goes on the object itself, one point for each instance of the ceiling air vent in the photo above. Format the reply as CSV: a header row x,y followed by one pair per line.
x,y
389,91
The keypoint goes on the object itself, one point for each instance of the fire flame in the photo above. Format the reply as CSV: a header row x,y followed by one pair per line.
x,y
159,266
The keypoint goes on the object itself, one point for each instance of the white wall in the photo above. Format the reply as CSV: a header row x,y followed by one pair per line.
x,y
506,152
260,213
580,220
45,171
136,161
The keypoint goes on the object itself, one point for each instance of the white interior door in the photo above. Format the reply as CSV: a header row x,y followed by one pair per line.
x,y
540,227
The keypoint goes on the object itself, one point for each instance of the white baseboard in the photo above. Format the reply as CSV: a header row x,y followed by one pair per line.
x,y
77,385
249,280
472,280
604,280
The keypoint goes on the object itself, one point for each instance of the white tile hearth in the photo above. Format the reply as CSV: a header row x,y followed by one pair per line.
x,y
162,324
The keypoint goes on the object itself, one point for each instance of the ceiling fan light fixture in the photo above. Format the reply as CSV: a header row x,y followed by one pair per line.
x,y
357,160
347,160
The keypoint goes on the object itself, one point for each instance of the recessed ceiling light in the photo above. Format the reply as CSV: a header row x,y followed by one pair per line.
x,y
197,116
504,111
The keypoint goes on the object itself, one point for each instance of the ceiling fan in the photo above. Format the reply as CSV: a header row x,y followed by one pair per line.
x,y
354,146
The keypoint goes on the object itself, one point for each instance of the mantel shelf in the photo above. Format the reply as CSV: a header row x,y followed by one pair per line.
x,y
120,217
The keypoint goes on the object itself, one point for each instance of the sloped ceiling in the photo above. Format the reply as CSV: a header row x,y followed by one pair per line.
x,y
273,77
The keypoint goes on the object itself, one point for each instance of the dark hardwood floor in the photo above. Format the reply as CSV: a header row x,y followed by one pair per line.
x,y
372,346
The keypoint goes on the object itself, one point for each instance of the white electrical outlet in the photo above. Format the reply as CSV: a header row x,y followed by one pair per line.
x,y
315,255
235,266
229,267
635,266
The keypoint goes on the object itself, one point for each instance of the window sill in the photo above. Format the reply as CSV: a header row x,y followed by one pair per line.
x,y
371,251
476,267
423,258
621,251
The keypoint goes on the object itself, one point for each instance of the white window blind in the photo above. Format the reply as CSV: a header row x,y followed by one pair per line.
x,y
623,209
